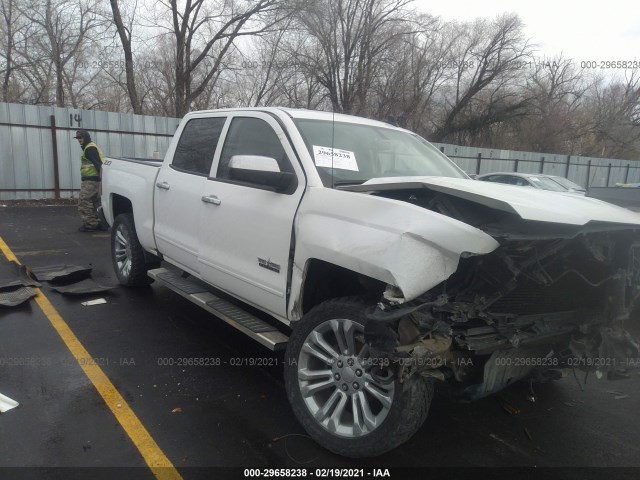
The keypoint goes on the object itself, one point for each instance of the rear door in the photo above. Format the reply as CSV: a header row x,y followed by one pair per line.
x,y
246,229
178,190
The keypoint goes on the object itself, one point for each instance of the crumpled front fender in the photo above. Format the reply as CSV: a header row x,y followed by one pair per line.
x,y
395,242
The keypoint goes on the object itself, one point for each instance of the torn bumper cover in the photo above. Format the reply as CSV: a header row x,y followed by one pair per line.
x,y
537,305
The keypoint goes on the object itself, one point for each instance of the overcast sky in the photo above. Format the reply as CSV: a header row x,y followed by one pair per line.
x,y
582,30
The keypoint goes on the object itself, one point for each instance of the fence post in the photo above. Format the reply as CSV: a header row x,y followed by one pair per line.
x,y
478,164
608,174
542,165
626,174
588,173
516,165
566,173
54,142
442,149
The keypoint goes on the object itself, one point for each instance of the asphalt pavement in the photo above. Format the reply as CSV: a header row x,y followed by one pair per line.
x,y
218,416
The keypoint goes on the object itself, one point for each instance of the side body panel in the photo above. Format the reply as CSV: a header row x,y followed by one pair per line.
x,y
134,181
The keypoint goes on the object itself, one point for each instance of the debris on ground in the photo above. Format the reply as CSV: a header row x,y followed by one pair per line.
x,y
176,410
7,403
83,287
510,409
16,297
13,275
16,280
61,273
97,301
528,433
620,397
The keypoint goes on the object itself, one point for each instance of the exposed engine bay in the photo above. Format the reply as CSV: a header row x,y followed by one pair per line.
x,y
552,297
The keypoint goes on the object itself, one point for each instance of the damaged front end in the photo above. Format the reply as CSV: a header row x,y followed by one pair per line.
x,y
551,298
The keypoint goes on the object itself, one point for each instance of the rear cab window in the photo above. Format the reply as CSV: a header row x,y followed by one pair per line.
x,y
197,145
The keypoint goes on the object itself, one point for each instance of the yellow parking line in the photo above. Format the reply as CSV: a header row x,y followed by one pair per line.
x,y
157,461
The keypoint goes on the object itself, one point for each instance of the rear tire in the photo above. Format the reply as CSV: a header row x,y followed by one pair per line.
x,y
329,376
127,255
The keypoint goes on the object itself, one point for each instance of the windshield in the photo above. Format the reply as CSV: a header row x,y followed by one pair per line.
x,y
362,152
567,183
547,184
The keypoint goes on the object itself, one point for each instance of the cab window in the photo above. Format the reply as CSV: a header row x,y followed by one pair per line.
x,y
197,145
251,136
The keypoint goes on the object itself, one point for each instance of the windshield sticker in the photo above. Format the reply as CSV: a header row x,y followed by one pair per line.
x,y
334,158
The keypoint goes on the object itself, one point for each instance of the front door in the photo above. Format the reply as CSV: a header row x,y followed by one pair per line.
x,y
246,229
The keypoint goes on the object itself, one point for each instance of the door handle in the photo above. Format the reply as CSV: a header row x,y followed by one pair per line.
x,y
163,185
211,199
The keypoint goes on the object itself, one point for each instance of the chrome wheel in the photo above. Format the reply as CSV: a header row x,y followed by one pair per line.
x,y
345,390
122,251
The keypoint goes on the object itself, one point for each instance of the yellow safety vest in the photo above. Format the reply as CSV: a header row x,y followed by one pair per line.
x,y
87,169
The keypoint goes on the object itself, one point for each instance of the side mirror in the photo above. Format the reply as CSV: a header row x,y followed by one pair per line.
x,y
261,171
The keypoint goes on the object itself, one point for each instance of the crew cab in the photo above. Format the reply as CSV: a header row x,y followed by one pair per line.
x,y
376,262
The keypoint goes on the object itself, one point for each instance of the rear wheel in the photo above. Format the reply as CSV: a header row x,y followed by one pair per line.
x,y
349,402
127,254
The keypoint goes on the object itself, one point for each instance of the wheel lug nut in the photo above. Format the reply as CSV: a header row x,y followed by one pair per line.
x,y
359,372
350,362
337,376
340,364
344,387
356,385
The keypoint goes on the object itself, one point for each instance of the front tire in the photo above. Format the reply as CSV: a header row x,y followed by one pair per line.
x,y
347,401
127,255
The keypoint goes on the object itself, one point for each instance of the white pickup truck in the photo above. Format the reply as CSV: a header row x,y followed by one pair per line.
x,y
379,265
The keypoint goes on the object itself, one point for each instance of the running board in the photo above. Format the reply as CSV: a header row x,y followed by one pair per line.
x,y
247,323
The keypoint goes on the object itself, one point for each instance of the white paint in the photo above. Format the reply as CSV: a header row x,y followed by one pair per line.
x,y
529,204
7,403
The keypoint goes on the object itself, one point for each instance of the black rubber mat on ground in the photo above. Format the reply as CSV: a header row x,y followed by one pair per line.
x,y
16,297
13,275
61,273
82,287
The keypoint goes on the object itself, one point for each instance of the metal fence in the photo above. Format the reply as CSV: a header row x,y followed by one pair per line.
x,y
585,171
39,158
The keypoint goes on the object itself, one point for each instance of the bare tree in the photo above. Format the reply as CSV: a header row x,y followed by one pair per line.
x,y
555,88
488,62
203,34
350,38
8,11
64,29
14,35
615,107
414,71
125,33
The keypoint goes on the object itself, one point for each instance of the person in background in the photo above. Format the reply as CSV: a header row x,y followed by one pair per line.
x,y
90,171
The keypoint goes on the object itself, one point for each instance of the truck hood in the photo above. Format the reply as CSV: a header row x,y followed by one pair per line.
x,y
527,203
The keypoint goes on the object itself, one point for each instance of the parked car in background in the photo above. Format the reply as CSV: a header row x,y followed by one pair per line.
x,y
552,183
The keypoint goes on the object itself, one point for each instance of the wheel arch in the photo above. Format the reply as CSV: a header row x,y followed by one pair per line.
x,y
323,281
120,204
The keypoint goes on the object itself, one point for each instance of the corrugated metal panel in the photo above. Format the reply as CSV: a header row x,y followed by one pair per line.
x,y
26,155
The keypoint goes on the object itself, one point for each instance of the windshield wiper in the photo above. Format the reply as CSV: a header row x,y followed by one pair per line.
x,y
345,183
